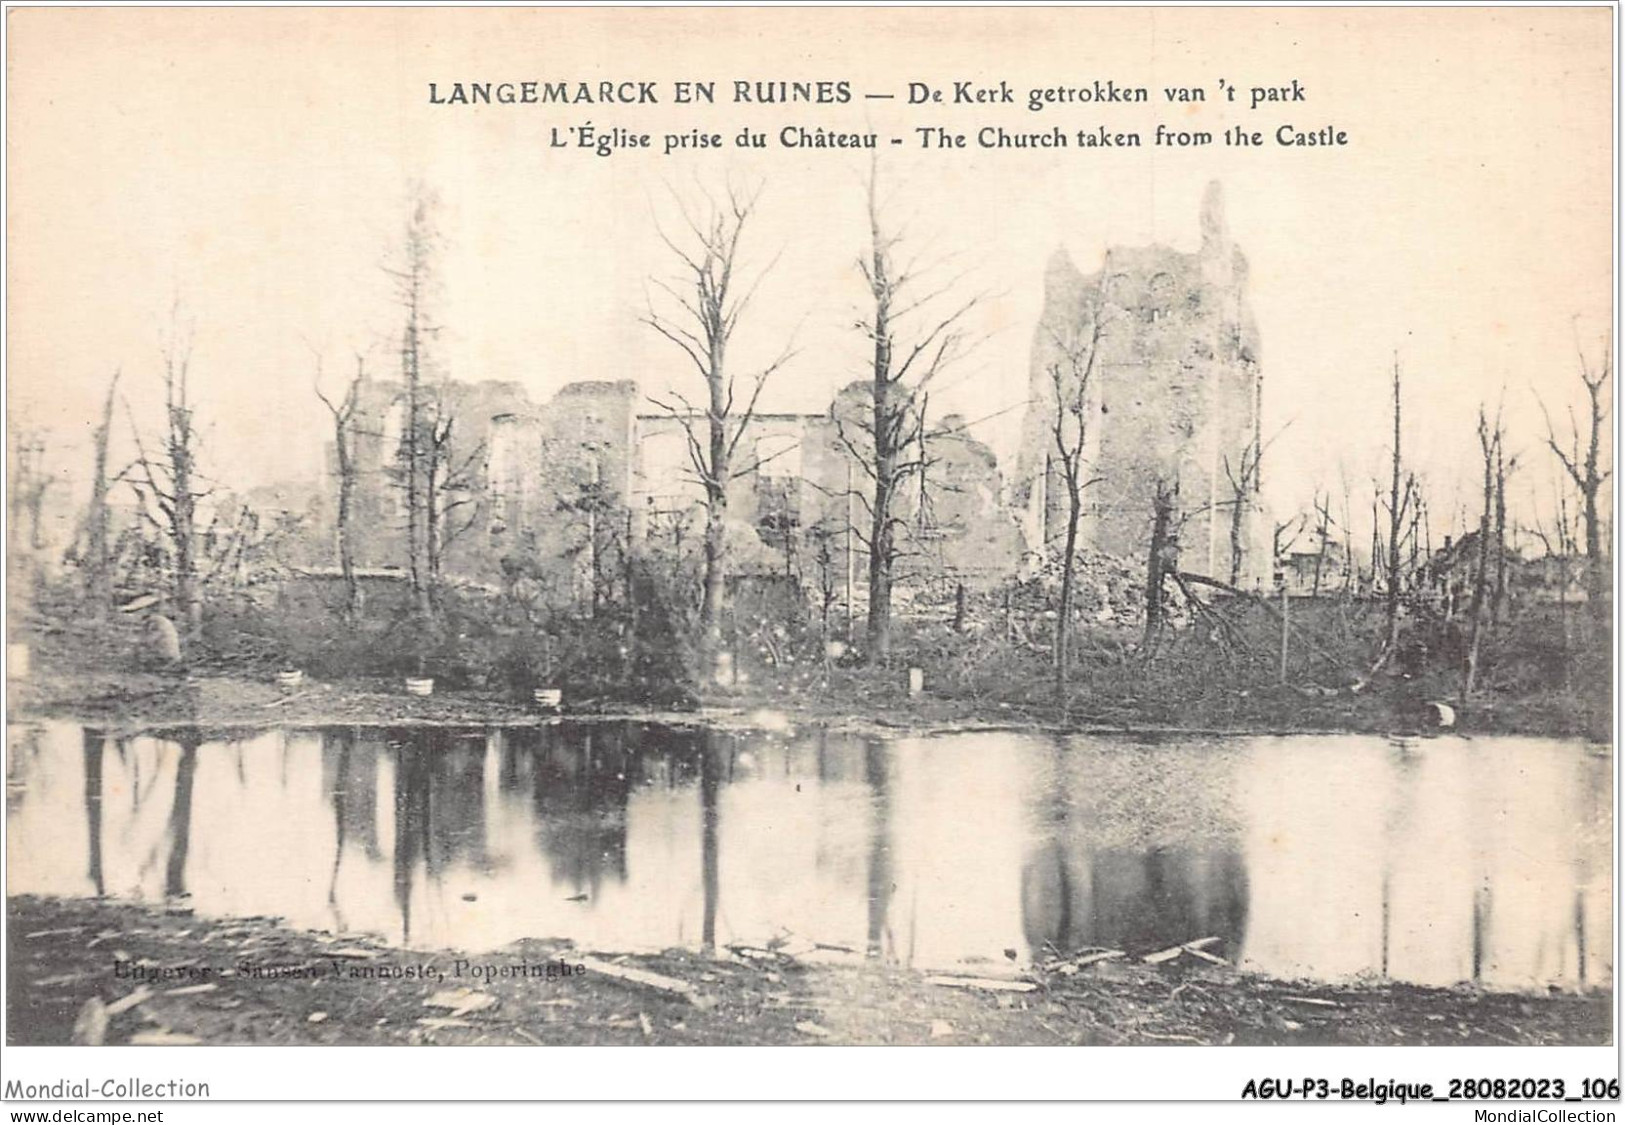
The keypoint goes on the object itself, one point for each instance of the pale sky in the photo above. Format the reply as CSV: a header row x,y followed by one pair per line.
x,y
255,164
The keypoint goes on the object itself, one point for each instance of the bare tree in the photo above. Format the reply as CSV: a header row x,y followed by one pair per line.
x,y
596,521
911,346
1489,441
701,313
344,435
449,484
98,551
1285,536
1504,467
170,482
29,484
1076,348
414,278
1396,524
1245,480
822,535
1584,467
1162,561
1323,533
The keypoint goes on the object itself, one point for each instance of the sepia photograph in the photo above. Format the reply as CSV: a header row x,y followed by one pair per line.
x,y
867,527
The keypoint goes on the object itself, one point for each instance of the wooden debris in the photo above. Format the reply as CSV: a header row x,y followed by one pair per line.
x,y
125,1003
287,699
941,1029
64,932
90,1029
1071,965
757,954
1312,1001
316,1017
162,1037
1097,958
1175,1038
461,1001
1197,948
648,1027
669,985
818,1031
191,990
436,1023
985,983
832,948
355,954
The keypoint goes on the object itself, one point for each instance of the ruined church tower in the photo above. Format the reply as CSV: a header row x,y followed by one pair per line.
x,y
1174,396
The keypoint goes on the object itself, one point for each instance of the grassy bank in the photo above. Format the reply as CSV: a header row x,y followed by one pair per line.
x,y
75,961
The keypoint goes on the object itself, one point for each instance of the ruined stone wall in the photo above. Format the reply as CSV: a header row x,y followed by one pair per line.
x,y
379,505
562,479
955,525
586,467
1174,396
968,527
780,464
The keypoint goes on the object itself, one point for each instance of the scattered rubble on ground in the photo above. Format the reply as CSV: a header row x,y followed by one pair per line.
x,y
63,989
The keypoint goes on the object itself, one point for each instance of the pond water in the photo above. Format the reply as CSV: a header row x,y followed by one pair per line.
x,y
1433,861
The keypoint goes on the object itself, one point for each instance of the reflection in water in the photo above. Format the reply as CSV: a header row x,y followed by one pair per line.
x,y
1081,891
180,815
94,744
411,829
710,823
1135,900
1436,862
876,766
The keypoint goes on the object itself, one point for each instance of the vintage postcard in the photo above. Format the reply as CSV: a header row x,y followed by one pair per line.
x,y
851,526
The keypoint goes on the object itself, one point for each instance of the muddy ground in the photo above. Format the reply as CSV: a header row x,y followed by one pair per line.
x,y
75,964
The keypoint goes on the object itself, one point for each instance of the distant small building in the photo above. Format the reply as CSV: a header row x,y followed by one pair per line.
x,y
1313,573
1450,575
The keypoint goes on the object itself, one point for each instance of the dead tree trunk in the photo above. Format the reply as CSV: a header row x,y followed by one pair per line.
x,y
1323,509
1490,443
1498,602
719,464
438,433
889,445
1156,567
706,306
1396,517
98,552
169,483
344,455
1244,489
1070,374
882,544
413,279
1584,467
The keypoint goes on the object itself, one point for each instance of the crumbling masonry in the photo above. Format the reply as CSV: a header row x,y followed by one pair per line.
x,y
1174,397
